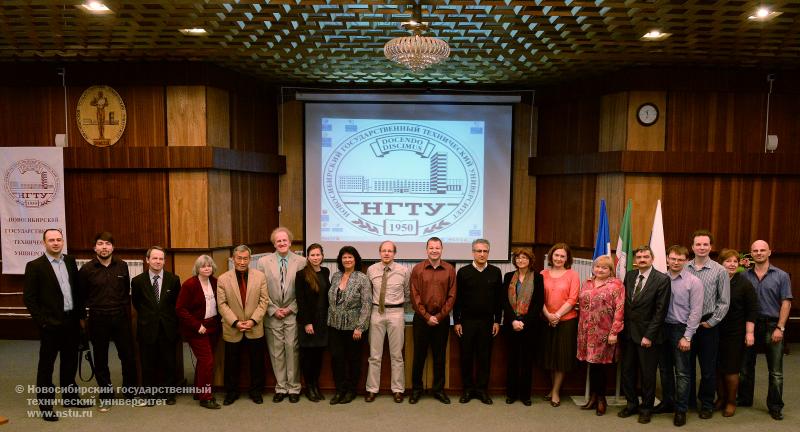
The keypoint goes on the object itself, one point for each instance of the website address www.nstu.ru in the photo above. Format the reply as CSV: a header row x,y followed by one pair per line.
x,y
63,414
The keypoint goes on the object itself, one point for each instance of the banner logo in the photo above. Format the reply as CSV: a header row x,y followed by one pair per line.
x,y
401,179
31,183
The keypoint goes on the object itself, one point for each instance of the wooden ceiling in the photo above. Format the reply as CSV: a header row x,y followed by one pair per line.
x,y
332,41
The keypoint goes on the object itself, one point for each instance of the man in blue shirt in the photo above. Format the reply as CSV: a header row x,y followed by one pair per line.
x,y
680,325
774,291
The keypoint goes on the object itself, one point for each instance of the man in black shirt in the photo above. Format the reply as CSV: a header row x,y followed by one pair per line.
x,y
477,319
105,286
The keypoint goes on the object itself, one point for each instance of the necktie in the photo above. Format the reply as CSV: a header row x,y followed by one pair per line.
x,y
283,278
157,288
382,301
638,287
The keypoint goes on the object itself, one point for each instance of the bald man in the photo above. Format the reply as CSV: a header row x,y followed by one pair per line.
x,y
774,291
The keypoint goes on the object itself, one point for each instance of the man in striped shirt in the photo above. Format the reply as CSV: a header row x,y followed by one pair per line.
x,y
716,299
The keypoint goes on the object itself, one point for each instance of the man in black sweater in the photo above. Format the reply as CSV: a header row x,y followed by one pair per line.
x,y
477,320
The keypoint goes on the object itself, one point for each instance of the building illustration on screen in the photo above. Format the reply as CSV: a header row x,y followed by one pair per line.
x,y
401,178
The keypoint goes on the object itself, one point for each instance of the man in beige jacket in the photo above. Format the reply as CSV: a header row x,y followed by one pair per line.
x,y
242,299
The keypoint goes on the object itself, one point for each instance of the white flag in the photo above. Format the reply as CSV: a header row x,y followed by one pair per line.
x,y
657,241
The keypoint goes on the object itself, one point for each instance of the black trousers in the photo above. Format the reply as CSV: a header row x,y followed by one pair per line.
x,y
434,337
598,377
256,349
105,328
158,358
311,364
476,352
58,340
636,361
345,359
519,369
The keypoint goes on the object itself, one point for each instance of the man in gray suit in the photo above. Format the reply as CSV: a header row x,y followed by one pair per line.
x,y
281,323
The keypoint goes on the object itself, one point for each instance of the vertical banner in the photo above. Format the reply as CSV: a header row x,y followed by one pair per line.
x,y
32,201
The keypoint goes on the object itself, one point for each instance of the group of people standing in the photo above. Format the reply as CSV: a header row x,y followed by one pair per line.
x,y
295,309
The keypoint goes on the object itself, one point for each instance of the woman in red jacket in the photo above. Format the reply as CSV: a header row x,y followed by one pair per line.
x,y
199,324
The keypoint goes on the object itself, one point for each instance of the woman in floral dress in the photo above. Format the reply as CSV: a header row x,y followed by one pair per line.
x,y
601,302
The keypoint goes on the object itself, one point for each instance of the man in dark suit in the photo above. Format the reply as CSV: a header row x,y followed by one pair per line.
x,y
51,295
154,294
647,293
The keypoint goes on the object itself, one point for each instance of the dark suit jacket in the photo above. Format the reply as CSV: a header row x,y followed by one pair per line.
x,y
535,307
151,314
191,309
644,316
42,293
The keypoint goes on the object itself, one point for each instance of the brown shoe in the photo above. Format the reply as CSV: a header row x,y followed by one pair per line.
x,y
729,411
370,397
398,397
591,403
602,404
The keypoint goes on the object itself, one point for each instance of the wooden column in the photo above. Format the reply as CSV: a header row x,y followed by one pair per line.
x,y
199,200
619,131
291,184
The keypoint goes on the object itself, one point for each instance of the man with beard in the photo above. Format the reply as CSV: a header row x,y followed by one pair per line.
x,y
105,286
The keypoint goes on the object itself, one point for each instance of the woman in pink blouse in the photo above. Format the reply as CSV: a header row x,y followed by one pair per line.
x,y
601,302
561,286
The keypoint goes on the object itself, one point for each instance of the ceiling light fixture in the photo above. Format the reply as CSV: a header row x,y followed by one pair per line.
x,y
416,52
655,35
194,31
95,7
763,14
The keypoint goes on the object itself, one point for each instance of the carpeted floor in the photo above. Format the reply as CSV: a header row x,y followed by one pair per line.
x,y
19,369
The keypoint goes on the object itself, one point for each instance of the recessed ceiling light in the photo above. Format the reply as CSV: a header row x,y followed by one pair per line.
x,y
95,7
655,35
194,31
763,14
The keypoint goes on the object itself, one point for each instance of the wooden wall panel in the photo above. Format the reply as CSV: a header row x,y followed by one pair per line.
x,y
737,210
613,122
218,131
523,187
569,127
646,137
645,191
146,124
565,210
724,121
186,116
784,121
219,209
254,207
131,205
610,187
188,209
292,184
255,119
31,117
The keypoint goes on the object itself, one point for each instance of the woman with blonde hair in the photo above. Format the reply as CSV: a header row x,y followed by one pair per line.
x,y
601,302
199,324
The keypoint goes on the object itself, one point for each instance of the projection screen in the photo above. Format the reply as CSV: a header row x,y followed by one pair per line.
x,y
400,171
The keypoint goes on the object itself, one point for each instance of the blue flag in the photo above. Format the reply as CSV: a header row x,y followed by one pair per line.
x,y
603,244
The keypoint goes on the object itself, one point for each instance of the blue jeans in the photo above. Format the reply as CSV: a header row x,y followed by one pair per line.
x,y
705,346
774,353
673,366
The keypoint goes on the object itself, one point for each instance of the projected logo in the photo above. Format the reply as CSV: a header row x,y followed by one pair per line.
x,y
400,179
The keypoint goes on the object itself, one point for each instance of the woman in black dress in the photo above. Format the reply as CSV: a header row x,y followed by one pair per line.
x,y
522,302
311,289
735,332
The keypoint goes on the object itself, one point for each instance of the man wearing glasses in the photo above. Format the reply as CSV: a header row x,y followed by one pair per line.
x,y
477,320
